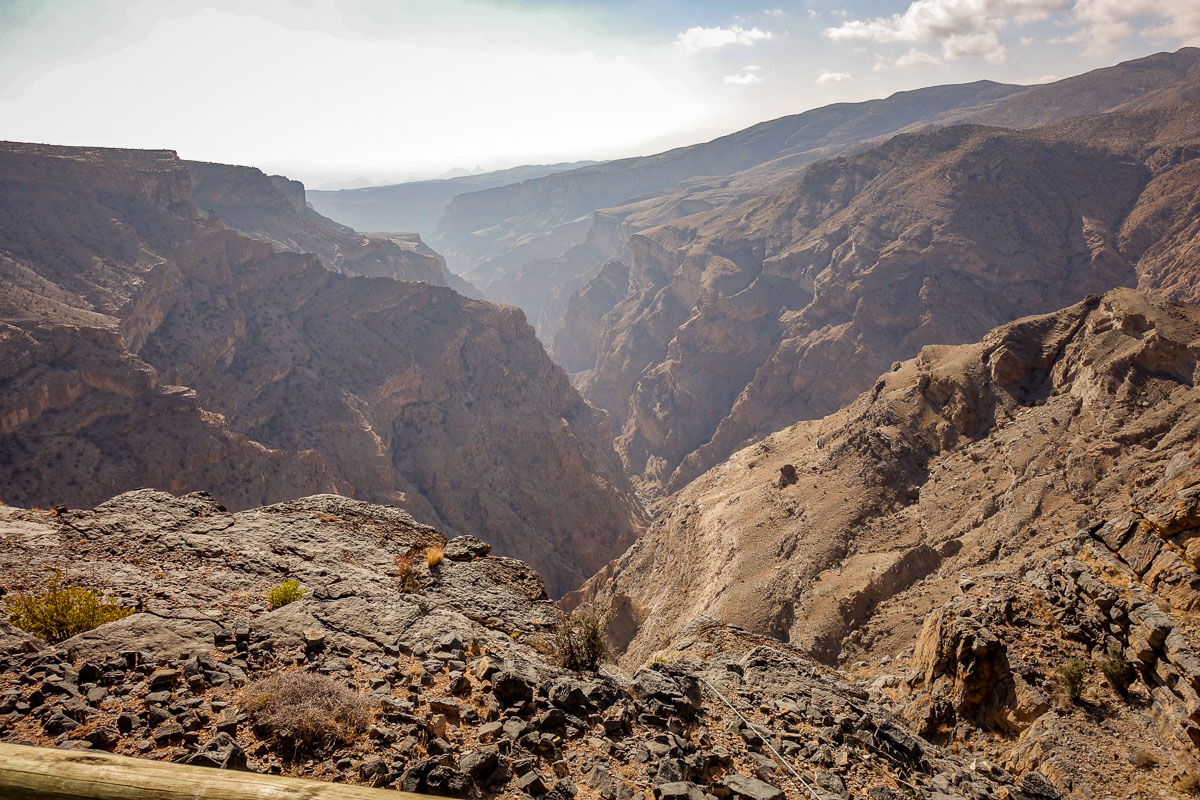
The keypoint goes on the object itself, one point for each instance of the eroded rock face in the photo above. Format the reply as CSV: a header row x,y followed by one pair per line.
x,y
743,319
145,344
456,695
956,458
275,210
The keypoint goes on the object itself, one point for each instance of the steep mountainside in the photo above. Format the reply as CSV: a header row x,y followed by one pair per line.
x,y
418,205
438,681
968,466
147,345
487,234
743,319
517,229
275,209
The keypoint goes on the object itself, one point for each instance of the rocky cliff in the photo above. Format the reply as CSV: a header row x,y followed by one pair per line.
x,y
435,678
147,345
742,319
276,210
973,470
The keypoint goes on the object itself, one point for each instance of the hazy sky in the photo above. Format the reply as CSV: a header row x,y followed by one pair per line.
x,y
327,90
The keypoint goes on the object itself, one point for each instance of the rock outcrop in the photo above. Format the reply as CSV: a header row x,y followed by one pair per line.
x,y
144,344
955,458
452,693
275,210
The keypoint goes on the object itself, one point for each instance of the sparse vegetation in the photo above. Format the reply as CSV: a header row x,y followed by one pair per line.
x,y
1116,669
578,642
1070,678
434,555
306,712
284,593
405,573
62,611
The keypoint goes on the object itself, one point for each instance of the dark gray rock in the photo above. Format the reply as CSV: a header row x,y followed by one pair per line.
x,y
221,751
751,788
466,548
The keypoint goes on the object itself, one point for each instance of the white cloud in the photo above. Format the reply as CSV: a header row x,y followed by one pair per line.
x,y
773,12
746,76
813,13
962,27
1105,23
917,58
696,39
833,77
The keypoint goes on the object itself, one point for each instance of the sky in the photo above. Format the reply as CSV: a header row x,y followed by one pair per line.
x,y
327,91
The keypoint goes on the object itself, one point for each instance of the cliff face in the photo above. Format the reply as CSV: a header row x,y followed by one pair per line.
x,y
275,210
970,458
740,320
117,292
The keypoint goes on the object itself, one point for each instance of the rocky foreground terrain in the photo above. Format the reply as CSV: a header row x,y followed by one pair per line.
x,y
981,516
144,343
446,670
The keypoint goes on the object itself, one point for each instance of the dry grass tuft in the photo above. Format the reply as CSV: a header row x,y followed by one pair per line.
x,y
307,712
434,555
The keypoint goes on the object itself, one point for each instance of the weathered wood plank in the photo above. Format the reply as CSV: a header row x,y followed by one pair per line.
x,y
40,773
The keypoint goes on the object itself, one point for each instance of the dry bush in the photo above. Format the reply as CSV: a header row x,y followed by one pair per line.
x,y
405,572
434,555
578,642
307,712
61,611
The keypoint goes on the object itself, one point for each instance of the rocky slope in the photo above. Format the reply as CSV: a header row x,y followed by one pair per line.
x,y
742,319
952,458
147,345
276,210
454,691
970,470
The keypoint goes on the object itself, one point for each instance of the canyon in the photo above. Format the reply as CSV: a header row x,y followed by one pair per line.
x,y
864,440
146,344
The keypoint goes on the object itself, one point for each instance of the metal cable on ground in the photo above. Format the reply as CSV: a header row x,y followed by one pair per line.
x,y
813,793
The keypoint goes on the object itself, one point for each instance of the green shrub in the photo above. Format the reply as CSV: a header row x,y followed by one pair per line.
x,y
1070,677
62,611
1116,668
284,593
307,712
578,642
